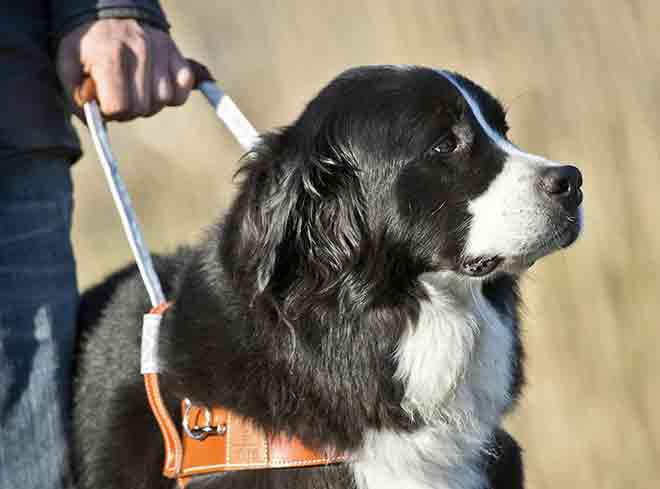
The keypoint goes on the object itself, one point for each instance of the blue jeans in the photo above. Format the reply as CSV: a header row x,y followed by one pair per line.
x,y
38,302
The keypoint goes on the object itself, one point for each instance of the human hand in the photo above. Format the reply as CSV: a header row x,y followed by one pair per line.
x,y
137,69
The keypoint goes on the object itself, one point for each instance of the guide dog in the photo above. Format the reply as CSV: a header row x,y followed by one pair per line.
x,y
360,294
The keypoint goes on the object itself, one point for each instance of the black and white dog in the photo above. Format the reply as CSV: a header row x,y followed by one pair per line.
x,y
361,293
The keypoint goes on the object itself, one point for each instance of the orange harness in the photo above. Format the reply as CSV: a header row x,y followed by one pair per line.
x,y
218,440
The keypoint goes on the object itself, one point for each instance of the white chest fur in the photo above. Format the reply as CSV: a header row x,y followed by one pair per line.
x,y
457,369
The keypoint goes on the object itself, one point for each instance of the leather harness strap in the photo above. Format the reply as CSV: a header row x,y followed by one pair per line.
x,y
219,440
241,446
171,439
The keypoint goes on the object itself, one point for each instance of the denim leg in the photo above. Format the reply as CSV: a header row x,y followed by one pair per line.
x,y
38,302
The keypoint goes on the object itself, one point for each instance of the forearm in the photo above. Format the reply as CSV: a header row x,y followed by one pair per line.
x,y
66,15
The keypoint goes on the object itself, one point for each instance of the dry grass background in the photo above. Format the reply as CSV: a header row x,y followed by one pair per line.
x,y
582,84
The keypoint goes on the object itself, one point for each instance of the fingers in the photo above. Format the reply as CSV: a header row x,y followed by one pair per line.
x,y
155,75
172,77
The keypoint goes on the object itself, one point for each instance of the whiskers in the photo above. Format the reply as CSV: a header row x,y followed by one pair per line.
x,y
439,208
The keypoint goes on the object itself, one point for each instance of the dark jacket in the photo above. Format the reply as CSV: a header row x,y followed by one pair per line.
x,y
34,119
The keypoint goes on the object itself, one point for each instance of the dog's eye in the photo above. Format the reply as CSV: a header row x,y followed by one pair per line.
x,y
446,145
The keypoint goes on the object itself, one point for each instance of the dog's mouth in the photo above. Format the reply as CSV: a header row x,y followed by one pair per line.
x,y
558,235
571,232
481,265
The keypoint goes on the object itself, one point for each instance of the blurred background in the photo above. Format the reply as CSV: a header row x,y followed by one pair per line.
x,y
581,81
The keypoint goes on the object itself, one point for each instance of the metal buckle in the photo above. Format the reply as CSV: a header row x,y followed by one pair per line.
x,y
200,432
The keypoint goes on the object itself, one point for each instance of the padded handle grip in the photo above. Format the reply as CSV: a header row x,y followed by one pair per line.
x,y
86,92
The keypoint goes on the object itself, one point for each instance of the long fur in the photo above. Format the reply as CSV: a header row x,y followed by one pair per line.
x,y
333,302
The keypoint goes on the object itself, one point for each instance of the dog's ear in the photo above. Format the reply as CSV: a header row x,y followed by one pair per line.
x,y
258,219
299,213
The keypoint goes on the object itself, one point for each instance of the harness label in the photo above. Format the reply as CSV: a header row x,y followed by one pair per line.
x,y
245,444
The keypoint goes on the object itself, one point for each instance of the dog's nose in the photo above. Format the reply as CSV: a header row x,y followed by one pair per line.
x,y
562,184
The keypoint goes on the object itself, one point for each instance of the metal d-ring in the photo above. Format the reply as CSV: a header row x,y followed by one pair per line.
x,y
200,432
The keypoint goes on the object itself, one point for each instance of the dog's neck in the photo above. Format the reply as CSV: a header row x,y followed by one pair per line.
x,y
457,365
440,358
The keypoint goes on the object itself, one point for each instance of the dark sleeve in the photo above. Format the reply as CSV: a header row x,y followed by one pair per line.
x,y
66,15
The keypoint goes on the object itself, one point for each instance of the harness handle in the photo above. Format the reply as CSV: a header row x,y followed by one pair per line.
x,y
86,91
225,108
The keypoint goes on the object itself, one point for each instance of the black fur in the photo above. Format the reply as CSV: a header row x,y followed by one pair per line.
x,y
290,310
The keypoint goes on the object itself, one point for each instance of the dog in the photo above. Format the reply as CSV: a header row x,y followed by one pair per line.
x,y
360,293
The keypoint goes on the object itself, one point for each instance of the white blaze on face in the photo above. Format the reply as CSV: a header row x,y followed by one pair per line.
x,y
511,218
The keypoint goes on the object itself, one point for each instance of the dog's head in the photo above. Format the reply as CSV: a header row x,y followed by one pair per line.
x,y
391,172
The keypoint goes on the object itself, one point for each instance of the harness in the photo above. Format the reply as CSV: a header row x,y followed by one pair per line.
x,y
212,439
217,439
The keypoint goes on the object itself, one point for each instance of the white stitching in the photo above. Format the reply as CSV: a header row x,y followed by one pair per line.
x,y
319,461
